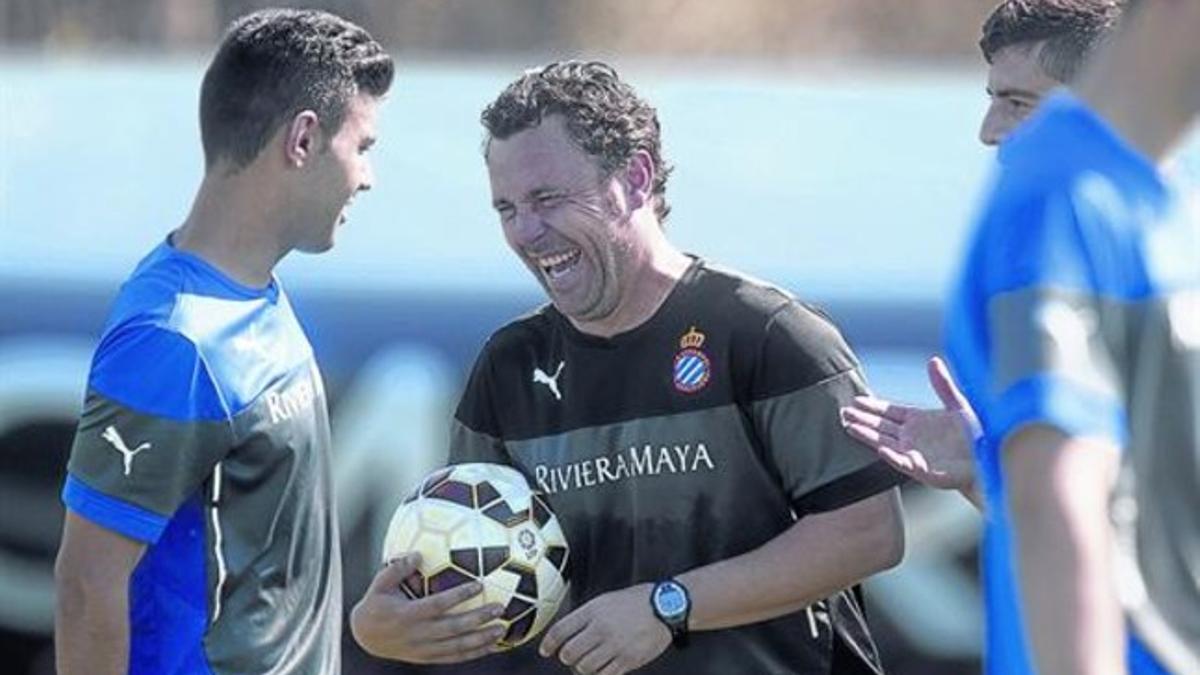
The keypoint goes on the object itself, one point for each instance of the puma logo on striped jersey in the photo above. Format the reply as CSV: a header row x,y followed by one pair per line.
x,y
114,439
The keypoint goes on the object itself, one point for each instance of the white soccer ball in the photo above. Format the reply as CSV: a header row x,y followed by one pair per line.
x,y
482,522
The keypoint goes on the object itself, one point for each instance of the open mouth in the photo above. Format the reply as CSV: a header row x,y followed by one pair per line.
x,y
555,266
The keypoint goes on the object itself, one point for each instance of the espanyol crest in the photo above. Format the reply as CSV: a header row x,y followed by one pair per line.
x,y
692,367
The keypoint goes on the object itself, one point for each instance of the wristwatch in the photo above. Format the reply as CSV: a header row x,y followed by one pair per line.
x,y
671,604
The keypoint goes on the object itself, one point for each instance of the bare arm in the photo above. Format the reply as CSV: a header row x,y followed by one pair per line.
x,y
91,617
819,555
815,558
1058,489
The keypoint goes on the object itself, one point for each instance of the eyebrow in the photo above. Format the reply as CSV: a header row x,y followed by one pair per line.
x,y
535,193
1012,92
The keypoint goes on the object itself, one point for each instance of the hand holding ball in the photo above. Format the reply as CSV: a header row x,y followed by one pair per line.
x,y
482,522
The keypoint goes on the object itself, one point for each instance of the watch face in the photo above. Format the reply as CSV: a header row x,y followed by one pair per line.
x,y
670,600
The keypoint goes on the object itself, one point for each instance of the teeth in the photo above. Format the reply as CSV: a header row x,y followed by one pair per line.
x,y
556,260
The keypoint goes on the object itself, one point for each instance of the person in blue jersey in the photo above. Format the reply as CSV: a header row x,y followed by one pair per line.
x,y
1031,47
1074,330
200,535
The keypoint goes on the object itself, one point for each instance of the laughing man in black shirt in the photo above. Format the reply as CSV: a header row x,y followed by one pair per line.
x,y
681,418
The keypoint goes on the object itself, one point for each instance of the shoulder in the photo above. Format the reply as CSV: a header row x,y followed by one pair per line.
x,y
1067,152
140,318
146,303
747,298
155,371
770,312
144,363
1067,206
788,343
529,332
149,295
801,347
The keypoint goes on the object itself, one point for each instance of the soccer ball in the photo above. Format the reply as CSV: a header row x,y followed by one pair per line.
x,y
482,522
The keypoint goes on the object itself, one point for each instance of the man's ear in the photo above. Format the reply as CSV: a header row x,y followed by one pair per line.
x,y
301,138
639,180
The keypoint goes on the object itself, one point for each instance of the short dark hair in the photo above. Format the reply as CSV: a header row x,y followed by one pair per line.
x,y
274,63
605,117
1070,29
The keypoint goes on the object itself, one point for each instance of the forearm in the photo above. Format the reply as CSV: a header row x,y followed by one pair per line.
x,y
818,556
1058,495
91,631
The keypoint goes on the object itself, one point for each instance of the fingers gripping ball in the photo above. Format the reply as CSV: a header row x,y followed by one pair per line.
x,y
482,522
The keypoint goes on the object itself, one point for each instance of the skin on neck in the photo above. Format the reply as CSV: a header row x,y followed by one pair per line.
x,y
241,219
1146,81
650,278
234,224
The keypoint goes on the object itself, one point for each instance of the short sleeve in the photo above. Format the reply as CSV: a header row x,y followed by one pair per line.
x,y
475,432
152,429
1053,311
805,374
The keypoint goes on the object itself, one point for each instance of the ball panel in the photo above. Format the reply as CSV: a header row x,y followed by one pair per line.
x,y
527,584
516,495
437,516
503,514
488,532
541,512
515,608
552,532
519,630
434,548
466,560
401,532
557,555
486,494
435,479
455,492
551,585
493,558
446,579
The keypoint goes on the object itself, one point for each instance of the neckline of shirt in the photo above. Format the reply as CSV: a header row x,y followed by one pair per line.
x,y
269,292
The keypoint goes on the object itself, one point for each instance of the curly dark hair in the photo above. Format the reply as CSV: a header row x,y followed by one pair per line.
x,y
274,63
1070,29
605,117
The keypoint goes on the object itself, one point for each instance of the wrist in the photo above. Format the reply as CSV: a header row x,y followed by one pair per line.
x,y
671,604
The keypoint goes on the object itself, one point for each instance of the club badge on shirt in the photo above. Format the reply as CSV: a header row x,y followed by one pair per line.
x,y
692,367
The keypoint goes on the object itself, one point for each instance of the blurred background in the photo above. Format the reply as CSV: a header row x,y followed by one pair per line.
x,y
826,145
